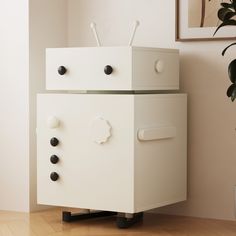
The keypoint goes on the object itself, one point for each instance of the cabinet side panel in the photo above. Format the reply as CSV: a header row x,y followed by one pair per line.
x,y
161,163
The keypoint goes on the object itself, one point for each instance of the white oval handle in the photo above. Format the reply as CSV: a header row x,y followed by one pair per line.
x,y
155,133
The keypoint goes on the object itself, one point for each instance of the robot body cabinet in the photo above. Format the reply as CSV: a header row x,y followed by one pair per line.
x,y
119,143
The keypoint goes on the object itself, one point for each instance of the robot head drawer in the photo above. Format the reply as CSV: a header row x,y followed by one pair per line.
x,y
112,68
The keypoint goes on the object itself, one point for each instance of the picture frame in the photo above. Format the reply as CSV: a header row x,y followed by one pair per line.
x,y
186,28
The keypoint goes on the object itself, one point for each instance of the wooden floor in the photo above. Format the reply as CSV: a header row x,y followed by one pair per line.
x,y
48,223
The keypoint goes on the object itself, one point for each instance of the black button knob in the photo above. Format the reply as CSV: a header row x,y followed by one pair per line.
x,y
108,70
61,70
54,176
54,142
54,159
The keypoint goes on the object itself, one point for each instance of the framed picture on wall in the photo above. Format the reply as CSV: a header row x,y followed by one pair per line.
x,y
197,20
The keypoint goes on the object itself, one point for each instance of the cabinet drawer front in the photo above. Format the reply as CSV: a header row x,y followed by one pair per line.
x,y
94,148
85,68
112,68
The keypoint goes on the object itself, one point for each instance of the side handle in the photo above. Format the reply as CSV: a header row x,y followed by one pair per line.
x,y
156,133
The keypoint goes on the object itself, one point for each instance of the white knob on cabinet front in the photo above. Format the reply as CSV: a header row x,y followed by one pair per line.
x,y
100,130
53,122
159,66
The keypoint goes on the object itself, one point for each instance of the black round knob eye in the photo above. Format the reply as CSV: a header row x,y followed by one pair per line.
x,y
54,141
108,70
54,176
61,70
54,159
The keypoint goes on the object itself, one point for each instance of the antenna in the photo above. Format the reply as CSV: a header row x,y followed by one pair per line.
x,y
136,24
93,27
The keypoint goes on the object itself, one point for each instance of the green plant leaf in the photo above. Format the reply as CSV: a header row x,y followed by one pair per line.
x,y
232,71
223,12
227,5
224,51
225,23
234,4
229,15
233,95
230,90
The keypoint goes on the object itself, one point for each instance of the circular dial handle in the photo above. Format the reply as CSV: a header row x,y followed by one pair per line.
x,y
54,159
54,176
54,142
61,70
100,130
108,69
159,66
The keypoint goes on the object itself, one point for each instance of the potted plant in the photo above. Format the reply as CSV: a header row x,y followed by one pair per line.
x,y
227,14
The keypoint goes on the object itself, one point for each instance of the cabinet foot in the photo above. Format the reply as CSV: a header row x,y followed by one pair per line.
x,y
124,222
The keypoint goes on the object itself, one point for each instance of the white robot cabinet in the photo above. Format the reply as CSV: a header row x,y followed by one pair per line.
x,y
119,147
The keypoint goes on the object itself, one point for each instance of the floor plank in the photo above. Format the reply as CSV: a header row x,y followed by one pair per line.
x,y
48,223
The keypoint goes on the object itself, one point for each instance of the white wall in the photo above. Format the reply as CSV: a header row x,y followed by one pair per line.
x,y
14,106
212,117
27,27
47,28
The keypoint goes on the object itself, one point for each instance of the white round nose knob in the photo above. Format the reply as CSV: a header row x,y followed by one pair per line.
x,y
53,122
100,130
159,66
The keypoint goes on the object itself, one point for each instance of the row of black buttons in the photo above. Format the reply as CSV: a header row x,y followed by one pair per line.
x,y
54,159
107,70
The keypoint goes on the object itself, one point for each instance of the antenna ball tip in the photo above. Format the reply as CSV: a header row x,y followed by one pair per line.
x,y
93,25
137,23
